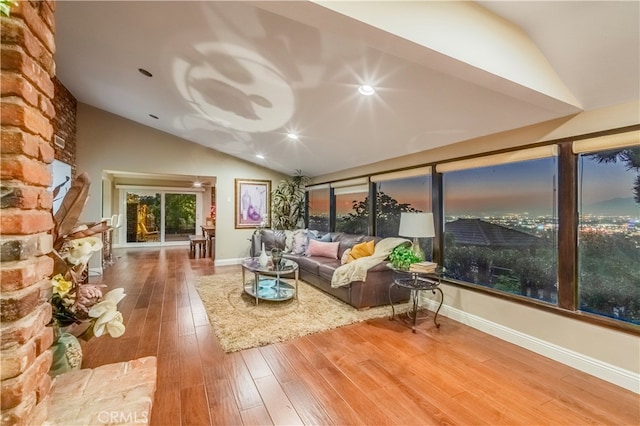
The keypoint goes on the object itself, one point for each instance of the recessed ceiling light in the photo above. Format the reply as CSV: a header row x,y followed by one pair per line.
x,y
145,72
366,90
293,136
197,184
260,156
153,116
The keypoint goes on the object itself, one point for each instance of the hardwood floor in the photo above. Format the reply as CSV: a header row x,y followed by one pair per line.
x,y
376,372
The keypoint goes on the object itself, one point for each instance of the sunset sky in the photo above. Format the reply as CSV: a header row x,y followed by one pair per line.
x,y
512,188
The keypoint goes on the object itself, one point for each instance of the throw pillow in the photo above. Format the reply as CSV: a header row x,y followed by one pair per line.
x,y
323,249
299,241
288,241
313,235
345,256
361,250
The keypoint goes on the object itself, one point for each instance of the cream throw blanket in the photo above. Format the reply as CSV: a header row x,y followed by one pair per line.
x,y
357,270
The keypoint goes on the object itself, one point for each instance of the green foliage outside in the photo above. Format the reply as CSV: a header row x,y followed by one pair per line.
x,y
180,213
517,271
387,216
609,275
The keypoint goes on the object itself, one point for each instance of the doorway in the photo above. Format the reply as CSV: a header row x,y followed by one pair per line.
x,y
160,217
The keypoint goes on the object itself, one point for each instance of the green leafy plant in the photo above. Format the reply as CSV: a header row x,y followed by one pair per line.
x,y
402,257
287,205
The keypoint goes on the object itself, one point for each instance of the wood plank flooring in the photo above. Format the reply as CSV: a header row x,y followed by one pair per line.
x,y
373,373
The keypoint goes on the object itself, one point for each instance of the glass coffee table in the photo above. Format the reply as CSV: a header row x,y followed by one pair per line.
x,y
267,282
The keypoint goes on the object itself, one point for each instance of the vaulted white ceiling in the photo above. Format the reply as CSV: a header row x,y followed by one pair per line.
x,y
238,76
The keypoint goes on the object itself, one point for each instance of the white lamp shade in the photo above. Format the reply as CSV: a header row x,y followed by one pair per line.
x,y
417,225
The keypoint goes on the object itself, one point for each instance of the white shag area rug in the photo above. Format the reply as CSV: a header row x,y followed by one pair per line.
x,y
240,324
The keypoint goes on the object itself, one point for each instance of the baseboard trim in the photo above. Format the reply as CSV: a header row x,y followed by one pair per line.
x,y
612,374
228,262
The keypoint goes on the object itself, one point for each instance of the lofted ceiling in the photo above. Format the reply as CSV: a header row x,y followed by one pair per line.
x,y
239,76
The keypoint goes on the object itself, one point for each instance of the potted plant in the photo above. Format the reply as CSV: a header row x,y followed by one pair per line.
x,y
402,257
287,202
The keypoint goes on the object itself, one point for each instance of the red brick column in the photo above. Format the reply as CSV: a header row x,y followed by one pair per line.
x,y
26,114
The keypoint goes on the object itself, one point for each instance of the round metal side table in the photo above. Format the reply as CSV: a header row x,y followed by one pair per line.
x,y
417,282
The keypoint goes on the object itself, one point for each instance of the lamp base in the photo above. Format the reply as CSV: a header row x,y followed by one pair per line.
x,y
416,250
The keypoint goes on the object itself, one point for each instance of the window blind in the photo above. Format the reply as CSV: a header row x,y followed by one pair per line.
x,y
402,174
601,143
497,159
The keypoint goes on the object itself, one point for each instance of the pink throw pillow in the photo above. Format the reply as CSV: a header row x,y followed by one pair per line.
x,y
322,249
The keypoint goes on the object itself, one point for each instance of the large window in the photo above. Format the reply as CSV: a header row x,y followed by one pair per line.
x,y
507,215
408,191
501,225
352,206
319,208
609,233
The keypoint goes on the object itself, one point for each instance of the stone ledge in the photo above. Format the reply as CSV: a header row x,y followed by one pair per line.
x,y
113,394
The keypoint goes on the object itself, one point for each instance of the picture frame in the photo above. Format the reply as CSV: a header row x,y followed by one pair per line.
x,y
252,203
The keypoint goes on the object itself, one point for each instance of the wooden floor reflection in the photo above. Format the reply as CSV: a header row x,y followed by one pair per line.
x,y
376,372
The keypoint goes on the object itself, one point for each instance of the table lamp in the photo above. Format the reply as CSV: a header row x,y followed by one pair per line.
x,y
416,225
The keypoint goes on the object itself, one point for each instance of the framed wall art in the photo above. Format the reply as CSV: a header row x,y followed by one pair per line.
x,y
252,203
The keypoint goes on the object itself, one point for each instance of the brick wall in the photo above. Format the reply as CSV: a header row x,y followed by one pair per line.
x,y
26,113
64,124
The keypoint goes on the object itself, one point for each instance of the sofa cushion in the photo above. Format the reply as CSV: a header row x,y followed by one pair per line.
x,y
346,241
272,238
345,256
326,271
322,249
311,264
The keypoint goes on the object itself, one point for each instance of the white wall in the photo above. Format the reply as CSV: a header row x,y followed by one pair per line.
x,y
109,142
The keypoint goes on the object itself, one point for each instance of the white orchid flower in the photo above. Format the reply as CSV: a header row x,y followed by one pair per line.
x,y
81,249
108,318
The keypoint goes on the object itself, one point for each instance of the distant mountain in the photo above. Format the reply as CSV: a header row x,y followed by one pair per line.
x,y
613,207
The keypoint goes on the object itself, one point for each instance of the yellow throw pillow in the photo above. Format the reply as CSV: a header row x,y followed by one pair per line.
x,y
361,250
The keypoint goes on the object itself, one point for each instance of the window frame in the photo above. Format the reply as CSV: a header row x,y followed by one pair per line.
x,y
567,234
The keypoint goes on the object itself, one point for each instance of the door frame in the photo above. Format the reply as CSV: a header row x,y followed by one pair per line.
x,y
162,190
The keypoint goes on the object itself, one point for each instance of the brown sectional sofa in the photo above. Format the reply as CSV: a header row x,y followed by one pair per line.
x,y
318,271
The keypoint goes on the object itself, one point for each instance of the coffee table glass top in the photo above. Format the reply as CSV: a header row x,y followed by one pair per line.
x,y
266,283
286,266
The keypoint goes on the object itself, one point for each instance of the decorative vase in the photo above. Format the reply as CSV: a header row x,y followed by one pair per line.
x,y
67,354
276,255
264,259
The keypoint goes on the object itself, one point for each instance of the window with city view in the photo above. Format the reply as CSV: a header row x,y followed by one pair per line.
x,y
501,227
501,221
318,209
609,234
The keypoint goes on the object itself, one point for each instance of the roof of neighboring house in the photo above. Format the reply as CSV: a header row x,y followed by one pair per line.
x,y
477,232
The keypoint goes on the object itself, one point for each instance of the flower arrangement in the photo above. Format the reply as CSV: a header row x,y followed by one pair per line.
x,y
80,309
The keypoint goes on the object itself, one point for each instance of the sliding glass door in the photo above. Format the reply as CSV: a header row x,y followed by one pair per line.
x,y
160,216
179,217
